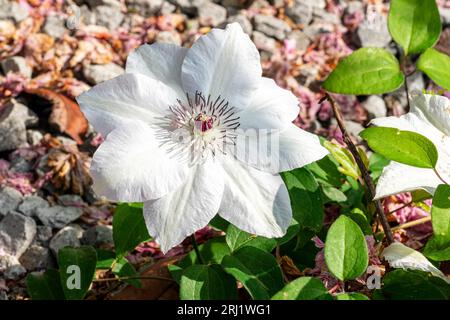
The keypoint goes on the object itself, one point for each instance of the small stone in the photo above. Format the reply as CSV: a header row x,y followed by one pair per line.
x,y
243,21
67,236
445,15
144,7
34,137
302,41
318,27
58,216
98,235
17,64
15,272
37,258
271,26
13,120
168,37
10,199
167,8
96,73
108,16
96,3
12,10
71,200
189,6
55,26
354,128
16,233
87,16
300,12
263,42
374,32
211,14
3,296
19,164
43,235
7,261
31,204
375,107
320,14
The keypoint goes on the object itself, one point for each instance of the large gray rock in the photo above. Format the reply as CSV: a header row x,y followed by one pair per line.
x,y
58,216
375,107
108,16
98,235
17,64
7,261
12,10
211,14
96,73
9,200
37,258
13,122
271,26
55,26
16,233
31,204
67,236
144,7
243,21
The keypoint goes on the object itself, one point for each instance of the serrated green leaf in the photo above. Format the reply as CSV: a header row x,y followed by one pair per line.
x,y
437,66
256,269
200,282
45,286
304,288
366,71
406,147
346,252
129,229
76,270
414,24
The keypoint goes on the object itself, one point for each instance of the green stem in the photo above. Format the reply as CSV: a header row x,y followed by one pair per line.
x,y
197,252
440,177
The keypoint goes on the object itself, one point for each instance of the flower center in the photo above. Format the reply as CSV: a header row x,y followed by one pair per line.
x,y
200,127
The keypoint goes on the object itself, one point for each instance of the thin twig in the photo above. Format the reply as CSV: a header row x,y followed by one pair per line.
x,y
412,223
400,208
403,67
133,278
440,177
362,167
197,252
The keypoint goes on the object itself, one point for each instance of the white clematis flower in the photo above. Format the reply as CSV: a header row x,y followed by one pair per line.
x,y
430,117
172,123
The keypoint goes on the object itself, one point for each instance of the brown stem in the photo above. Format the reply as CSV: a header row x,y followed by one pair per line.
x,y
362,167
403,67
132,278
440,177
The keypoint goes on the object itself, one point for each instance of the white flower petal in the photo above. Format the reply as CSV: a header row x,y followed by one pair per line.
x,y
277,151
255,201
189,208
130,165
126,98
160,61
398,178
401,256
271,107
434,109
225,63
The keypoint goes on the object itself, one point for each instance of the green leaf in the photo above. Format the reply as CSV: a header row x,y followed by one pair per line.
x,y
129,229
351,296
414,24
402,146
76,270
306,198
347,163
360,218
376,165
326,171
176,272
437,66
333,195
420,195
304,288
237,238
212,251
414,285
105,259
123,268
438,247
45,286
365,71
219,223
346,253
256,269
200,282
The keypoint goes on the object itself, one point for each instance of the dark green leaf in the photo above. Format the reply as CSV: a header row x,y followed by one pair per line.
x,y
326,171
414,24
256,269
105,259
333,195
123,268
45,286
219,223
351,296
129,229
405,147
365,71
304,288
76,270
176,272
346,251
212,251
360,218
237,238
200,282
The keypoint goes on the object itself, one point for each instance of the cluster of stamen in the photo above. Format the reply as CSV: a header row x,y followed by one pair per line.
x,y
200,126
